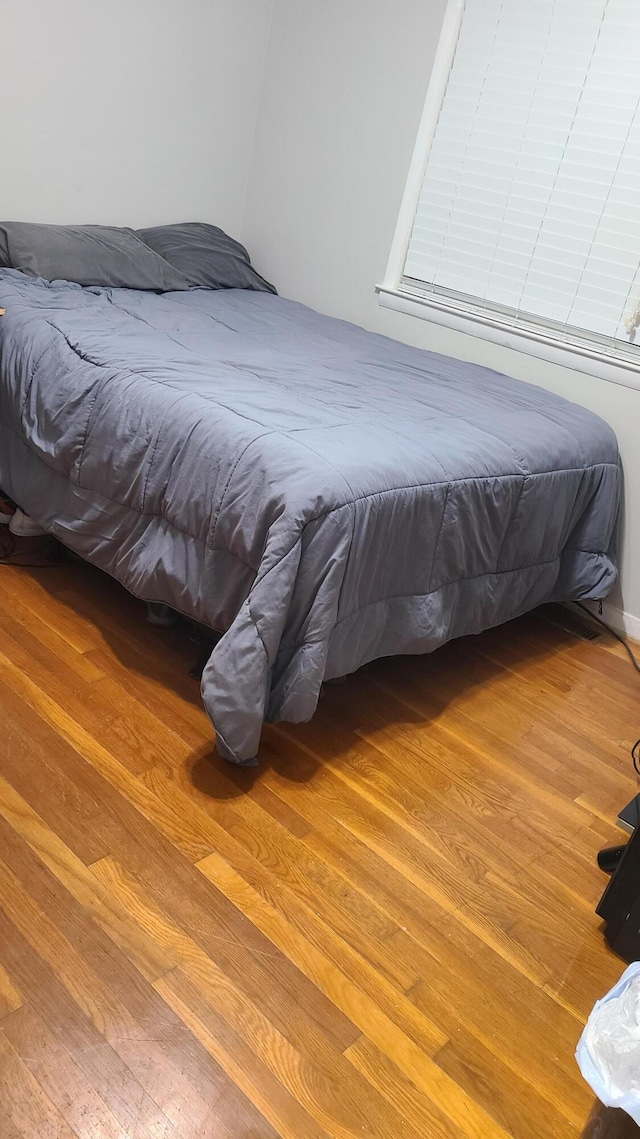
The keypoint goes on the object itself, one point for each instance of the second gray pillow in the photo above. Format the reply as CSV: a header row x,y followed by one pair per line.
x,y
207,256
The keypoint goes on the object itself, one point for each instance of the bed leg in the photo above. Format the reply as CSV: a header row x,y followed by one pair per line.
x,y
202,656
205,642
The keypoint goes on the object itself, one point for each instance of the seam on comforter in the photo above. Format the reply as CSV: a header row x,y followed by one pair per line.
x,y
234,469
141,319
287,645
431,592
331,509
456,482
151,458
485,431
36,365
437,541
512,515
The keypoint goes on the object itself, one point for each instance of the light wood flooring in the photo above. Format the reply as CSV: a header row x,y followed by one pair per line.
x,y
386,931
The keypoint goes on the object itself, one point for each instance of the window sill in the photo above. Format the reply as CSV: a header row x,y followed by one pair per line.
x,y
488,326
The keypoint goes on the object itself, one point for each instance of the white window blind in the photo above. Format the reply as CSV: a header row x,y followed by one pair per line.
x,y
530,202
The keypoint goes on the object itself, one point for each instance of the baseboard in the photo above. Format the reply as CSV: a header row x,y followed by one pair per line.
x,y
621,621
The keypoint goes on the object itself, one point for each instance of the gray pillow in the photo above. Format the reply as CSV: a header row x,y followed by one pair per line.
x,y
87,254
206,256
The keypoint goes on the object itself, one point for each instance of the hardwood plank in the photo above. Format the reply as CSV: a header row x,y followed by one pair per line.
x,y
442,948
10,996
374,1005
60,1078
157,1052
38,624
497,726
8,1130
98,1002
244,1016
29,1109
267,854
111,995
171,705
210,921
415,1099
479,907
38,593
475,751
305,1078
230,1050
107,1073
281,812
132,734
33,762
515,1101
70,871
209,787
459,833
610,1123
546,1031
242,941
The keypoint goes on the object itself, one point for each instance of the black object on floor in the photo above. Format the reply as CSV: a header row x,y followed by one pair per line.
x,y
619,906
609,858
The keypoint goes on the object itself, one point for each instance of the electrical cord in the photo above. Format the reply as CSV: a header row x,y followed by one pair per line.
x,y
618,636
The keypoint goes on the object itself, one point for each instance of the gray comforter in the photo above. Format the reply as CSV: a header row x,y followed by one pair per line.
x,y
321,495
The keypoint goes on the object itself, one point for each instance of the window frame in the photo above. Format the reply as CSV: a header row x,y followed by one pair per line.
x,y
562,347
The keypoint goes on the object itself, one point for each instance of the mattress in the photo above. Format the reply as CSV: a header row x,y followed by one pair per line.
x,y
318,494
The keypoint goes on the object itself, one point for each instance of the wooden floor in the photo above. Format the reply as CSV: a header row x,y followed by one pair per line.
x,y
386,930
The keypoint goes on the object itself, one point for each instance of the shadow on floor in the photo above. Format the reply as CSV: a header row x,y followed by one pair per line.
x,y
609,1123
400,691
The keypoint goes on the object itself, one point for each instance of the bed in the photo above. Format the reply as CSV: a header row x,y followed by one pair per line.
x,y
319,495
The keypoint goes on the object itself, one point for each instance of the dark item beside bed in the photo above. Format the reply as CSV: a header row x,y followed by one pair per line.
x,y
206,256
101,255
619,906
320,495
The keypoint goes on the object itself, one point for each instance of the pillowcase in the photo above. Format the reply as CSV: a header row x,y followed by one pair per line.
x,y
102,255
206,256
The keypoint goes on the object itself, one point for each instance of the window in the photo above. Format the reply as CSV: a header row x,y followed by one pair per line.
x,y
522,209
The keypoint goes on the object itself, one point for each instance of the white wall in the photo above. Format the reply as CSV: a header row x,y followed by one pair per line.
x,y
129,111
344,88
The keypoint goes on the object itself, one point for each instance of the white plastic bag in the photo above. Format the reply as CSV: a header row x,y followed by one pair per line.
x,y
608,1052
